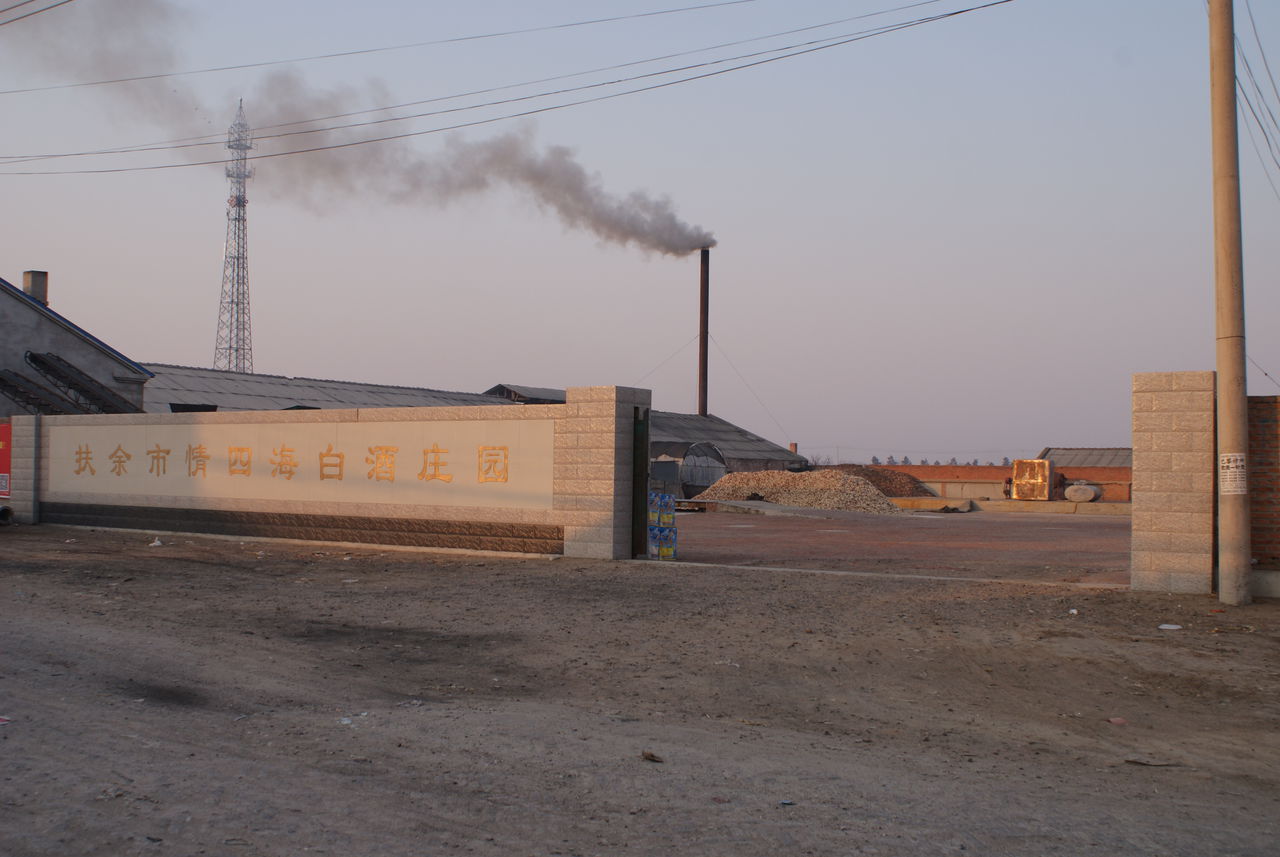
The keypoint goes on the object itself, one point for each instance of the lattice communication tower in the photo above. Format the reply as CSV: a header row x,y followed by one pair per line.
x,y
234,350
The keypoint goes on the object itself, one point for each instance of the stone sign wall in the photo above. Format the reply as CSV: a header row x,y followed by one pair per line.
x,y
532,478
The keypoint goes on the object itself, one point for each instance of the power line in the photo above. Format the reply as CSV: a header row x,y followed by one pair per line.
x,y
1266,112
1263,371
1262,51
204,141
1258,107
811,48
1250,110
16,5
365,51
613,67
211,140
750,389
1266,171
446,111
31,13
669,358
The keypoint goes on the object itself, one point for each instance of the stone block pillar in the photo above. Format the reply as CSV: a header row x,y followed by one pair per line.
x,y
1173,482
593,469
24,469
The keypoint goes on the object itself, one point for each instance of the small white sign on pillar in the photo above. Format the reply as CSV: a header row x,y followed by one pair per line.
x,y
1233,473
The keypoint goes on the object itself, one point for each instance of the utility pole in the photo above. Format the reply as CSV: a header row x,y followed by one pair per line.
x,y
1234,540
234,348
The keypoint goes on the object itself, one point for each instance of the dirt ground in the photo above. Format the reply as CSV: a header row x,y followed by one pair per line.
x,y
1018,546
218,697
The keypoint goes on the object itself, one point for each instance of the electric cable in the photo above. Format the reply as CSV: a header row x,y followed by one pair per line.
x,y
1258,151
218,139
1261,50
615,66
363,51
1263,371
32,13
1259,115
1246,106
533,111
747,384
16,5
669,358
1257,106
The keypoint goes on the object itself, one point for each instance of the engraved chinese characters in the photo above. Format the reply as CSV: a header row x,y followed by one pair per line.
x,y
503,463
493,463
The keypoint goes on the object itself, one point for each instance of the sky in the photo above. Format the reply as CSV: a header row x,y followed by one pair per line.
x,y
957,239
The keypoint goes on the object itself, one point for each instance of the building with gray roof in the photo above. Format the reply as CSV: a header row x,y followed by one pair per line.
x,y
688,452
190,388
50,365
1068,456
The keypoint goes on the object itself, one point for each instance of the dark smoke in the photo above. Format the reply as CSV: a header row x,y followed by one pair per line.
x,y
128,37
558,182
108,40
551,176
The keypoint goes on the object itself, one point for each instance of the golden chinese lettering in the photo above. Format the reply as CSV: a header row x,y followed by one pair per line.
x,y
492,463
197,459
433,464
239,461
383,459
159,460
84,460
119,458
284,462
332,464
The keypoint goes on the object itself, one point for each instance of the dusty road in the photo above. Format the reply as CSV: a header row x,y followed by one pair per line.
x,y
223,698
1018,546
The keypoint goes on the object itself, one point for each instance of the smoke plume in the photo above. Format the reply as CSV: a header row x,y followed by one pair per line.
x,y
131,37
551,176
556,181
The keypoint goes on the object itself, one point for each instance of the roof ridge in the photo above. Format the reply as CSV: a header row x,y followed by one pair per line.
x,y
41,306
308,378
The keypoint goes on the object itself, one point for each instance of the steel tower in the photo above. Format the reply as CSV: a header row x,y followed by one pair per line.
x,y
234,349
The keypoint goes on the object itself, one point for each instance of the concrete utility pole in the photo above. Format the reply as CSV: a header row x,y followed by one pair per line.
x,y
1234,541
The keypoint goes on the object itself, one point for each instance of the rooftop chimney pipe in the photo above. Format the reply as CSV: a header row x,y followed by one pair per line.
x,y
702,331
36,284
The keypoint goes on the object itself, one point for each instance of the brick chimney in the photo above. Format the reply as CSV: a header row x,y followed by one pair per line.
x,y
36,284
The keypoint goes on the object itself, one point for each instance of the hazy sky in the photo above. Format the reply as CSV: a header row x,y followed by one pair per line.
x,y
958,239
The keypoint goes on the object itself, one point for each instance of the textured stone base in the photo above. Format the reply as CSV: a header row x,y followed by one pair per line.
x,y
467,535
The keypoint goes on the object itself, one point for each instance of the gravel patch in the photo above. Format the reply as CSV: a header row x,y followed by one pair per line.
x,y
819,489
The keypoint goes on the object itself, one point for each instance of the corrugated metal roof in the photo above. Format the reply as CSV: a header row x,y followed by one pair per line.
x,y
517,392
240,391
1066,456
673,433
669,433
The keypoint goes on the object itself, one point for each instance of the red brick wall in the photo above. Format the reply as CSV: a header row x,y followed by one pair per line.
x,y
1115,482
952,473
1264,478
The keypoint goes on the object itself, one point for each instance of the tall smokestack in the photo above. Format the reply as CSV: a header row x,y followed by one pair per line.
x,y
702,331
